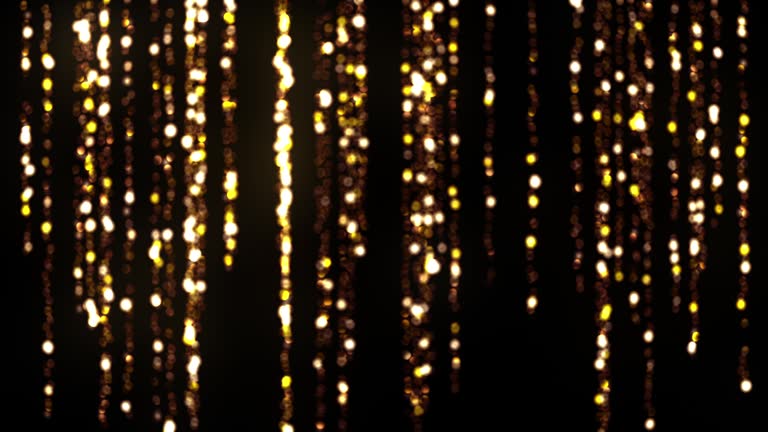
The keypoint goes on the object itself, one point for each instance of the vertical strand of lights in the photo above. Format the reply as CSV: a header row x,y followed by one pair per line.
x,y
713,111
129,197
323,35
673,163
696,135
46,227
534,180
617,146
602,138
577,164
425,77
229,131
454,198
85,171
351,117
489,97
25,135
641,96
105,140
195,171
282,147
745,384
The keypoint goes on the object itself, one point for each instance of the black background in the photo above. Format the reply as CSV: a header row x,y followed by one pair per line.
x,y
519,373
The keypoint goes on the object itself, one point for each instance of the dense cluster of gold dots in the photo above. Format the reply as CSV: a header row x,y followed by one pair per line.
x,y
577,162
323,115
713,111
46,227
129,197
602,139
229,131
696,135
195,223
745,266
673,163
25,135
454,201
532,159
282,146
489,98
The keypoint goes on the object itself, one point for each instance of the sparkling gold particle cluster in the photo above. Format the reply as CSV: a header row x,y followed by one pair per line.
x,y
577,143
713,113
697,134
28,168
46,227
601,115
745,266
282,146
322,119
532,159
229,131
489,99
673,163
129,197
454,197
194,143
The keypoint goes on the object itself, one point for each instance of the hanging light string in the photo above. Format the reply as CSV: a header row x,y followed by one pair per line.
x,y
713,110
323,37
696,135
532,156
577,164
489,97
283,146
641,92
745,383
105,140
25,134
351,119
673,163
617,146
454,237
229,131
195,172
602,116
46,227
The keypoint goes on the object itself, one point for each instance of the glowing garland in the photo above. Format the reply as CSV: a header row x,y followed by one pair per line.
x,y
534,180
673,164
713,111
25,134
229,131
577,168
489,96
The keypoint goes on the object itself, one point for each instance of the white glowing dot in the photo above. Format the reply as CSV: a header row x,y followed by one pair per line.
x,y
126,304
157,346
535,181
349,344
169,426
125,406
155,300
532,302
692,347
746,385
432,266
634,298
106,363
648,336
48,347
575,67
650,424
358,21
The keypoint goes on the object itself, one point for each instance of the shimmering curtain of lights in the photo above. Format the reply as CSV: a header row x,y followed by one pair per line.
x,y
696,135
713,110
282,147
602,138
423,81
46,227
105,140
641,97
129,197
617,146
489,97
25,134
745,384
534,180
351,117
195,171
454,198
229,131
577,164
323,115
673,163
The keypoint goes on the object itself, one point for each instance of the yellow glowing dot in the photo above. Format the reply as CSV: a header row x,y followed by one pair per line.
x,y
744,120
744,249
25,210
47,84
691,95
454,22
453,47
619,276
90,256
637,122
695,336
154,198
88,104
693,307
46,227
607,180
646,279
597,115
228,261
531,158
676,270
698,45
599,399
286,381
48,106
229,17
634,190
672,127
605,312
530,241
91,127
605,230
533,201
741,304
740,151
407,175
719,209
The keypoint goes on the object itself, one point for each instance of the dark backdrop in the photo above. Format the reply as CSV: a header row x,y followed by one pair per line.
x,y
519,373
